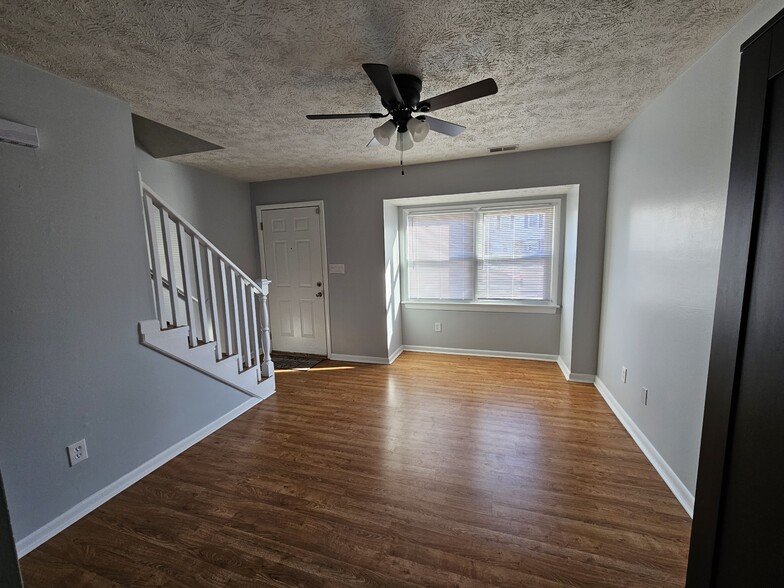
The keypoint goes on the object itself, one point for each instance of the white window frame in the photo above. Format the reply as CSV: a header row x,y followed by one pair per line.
x,y
531,306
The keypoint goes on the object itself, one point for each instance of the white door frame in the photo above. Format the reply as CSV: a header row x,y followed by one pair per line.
x,y
324,265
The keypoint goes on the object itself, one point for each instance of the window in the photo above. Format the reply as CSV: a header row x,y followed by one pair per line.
x,y
503,254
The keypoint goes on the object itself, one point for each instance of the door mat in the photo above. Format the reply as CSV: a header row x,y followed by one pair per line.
x,y
285,361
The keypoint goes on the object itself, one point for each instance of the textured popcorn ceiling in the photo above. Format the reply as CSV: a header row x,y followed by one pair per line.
x,y
244,73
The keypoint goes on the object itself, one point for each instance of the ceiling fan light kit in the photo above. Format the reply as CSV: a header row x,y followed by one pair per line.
x,y
404,141
383,134
400,97
419,128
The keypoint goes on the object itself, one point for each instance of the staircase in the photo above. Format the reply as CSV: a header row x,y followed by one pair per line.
x,y
211,315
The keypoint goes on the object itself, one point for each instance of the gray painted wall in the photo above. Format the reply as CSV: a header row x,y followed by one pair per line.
x,y
74,287
668,189
515,332
216,206
355,232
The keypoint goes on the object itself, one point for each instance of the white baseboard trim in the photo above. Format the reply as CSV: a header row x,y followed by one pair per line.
x,y
395,354
572,376
360,358
480,352
69,517
673,482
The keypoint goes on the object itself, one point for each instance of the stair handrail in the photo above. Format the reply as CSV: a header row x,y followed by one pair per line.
x,y
195,232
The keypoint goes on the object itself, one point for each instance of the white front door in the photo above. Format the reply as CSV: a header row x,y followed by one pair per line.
x,y
293,260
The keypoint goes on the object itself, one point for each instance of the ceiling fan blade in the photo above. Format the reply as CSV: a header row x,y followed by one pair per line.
x,y
382,79
473,91
373,143
355,115
441,126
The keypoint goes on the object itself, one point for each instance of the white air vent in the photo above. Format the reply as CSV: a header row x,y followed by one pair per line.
x,y
17,134
503,148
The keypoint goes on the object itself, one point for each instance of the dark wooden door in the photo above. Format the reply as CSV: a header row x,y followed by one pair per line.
x,y
738,532
751,534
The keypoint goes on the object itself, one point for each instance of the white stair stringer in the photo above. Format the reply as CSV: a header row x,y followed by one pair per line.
x,y
174,343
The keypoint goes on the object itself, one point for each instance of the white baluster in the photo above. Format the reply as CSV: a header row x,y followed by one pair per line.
x,y
182,237
236,313
225,299
170,266
149,211
245,325
214,316
267,367
201,292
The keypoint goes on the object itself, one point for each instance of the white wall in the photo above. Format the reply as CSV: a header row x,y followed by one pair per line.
x,y
354,216
569,265
392,279
668,184
74,286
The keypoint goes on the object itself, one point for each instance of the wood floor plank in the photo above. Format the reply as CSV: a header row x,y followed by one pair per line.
x,y
435,471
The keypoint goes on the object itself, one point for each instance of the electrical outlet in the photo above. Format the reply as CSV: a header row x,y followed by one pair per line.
x,y
644,396
438,327
623,374
77,452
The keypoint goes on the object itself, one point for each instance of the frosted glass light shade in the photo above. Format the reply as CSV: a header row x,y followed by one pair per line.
x,y
419,129
383,134
404,141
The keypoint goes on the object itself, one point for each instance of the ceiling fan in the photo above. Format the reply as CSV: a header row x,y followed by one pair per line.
x,y
400,97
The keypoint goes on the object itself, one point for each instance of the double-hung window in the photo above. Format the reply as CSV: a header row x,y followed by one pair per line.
x,y
488,254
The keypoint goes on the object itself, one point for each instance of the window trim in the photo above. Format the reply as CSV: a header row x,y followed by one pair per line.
x,y
533,306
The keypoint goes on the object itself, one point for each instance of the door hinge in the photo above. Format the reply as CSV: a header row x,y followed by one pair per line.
x,y
318,210
261,226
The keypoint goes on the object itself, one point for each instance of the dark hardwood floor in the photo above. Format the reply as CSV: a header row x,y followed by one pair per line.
x,y
435,471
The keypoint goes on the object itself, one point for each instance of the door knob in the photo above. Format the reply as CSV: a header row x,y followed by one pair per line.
x,y
319,294
318,284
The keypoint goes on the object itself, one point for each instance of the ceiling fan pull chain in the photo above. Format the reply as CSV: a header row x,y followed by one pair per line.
x,y
402,170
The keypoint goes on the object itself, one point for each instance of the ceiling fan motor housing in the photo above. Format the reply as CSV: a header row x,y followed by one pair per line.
x,y
410,88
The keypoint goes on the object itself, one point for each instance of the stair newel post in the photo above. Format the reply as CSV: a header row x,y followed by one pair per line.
x,y
253,325
267,367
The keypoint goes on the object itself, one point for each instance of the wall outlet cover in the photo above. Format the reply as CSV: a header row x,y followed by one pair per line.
x,y
77,452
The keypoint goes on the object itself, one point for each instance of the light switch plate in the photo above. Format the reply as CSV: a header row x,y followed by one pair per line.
x,y
337,268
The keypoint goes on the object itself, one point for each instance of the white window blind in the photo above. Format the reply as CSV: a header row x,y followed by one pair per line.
x,y
515,254
481,254
441,255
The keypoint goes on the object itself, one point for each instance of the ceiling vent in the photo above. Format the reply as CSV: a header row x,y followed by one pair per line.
x,y
503,148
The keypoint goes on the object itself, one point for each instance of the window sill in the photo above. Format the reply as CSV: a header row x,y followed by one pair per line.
x,y
484,307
